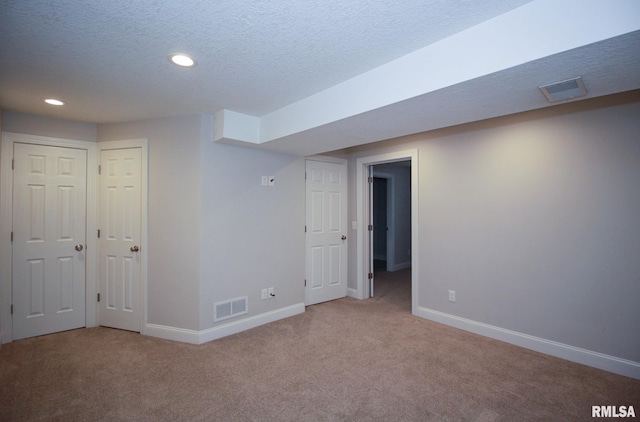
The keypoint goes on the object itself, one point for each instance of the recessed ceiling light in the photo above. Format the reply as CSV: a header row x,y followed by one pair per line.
x,y
182,60
53,101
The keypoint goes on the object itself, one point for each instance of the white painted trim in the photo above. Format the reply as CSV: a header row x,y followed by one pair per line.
x,y
172,333
240,325
6,223
143,144
223,330
564,351
327,159
352,293
362,200
401,266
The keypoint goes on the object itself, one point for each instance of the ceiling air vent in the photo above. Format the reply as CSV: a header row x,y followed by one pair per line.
x,y
565,90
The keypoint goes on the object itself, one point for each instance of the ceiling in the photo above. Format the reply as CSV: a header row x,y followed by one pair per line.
x,y
307,77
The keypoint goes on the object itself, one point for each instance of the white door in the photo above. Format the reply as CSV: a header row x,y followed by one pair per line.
x,y
120,237
326,229
49,229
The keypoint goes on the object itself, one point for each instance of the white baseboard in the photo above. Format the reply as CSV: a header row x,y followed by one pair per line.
x,y
172,333
222,330
353,293
564,351
401,266
234,327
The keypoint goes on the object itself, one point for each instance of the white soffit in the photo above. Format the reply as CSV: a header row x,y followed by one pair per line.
x,y
531,32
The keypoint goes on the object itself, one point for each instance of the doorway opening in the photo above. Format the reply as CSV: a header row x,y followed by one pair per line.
x,y
390,204
392,253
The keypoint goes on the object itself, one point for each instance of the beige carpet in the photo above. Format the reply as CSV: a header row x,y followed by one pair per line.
x,y
345,360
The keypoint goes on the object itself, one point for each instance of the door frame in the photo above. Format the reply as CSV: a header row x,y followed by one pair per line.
x,y
6,224
362,214
143,144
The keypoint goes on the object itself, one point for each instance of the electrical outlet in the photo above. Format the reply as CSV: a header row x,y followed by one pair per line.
x,y
270,292
264,294
452,295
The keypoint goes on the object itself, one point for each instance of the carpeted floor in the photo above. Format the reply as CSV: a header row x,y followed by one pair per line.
x,y
345,360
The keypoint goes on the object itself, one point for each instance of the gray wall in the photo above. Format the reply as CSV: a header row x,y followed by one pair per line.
x,y
533,219
48,126
214,232
252,236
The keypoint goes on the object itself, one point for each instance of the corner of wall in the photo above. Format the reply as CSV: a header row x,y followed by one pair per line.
x,y
1,115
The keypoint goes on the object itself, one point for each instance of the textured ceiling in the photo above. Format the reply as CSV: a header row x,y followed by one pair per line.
x,y
108,59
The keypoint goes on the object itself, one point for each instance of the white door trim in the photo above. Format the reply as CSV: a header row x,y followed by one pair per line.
x,y
143,144
6,224
362,205
391,218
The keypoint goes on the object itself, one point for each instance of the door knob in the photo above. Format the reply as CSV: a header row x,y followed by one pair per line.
x,y
134,249
343,237
79,248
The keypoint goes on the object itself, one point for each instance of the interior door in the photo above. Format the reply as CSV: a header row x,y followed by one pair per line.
x,y
326,246
49,238
120,237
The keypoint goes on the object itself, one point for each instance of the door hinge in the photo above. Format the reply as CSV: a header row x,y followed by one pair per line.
x,y
305,283
13,164
305,229
370,179
12,309
370,276
99,169
370,227
98,297
12,236
98,233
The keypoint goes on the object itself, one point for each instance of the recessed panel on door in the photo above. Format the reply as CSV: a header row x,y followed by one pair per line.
x,y
120,247
49,227
326,251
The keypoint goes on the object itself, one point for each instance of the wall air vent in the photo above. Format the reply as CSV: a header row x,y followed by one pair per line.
x,y
229,308
565,90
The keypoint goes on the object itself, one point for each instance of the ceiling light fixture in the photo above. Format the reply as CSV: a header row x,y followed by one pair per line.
x,y
564,90
53,101
182,60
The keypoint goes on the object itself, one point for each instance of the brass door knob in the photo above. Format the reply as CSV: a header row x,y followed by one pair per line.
x,y
343,237
79,248
134,249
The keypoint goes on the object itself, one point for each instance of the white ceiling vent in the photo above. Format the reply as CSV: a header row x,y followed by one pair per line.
x,y
565,90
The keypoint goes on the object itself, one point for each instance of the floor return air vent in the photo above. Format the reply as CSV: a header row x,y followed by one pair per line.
x,y
229,308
